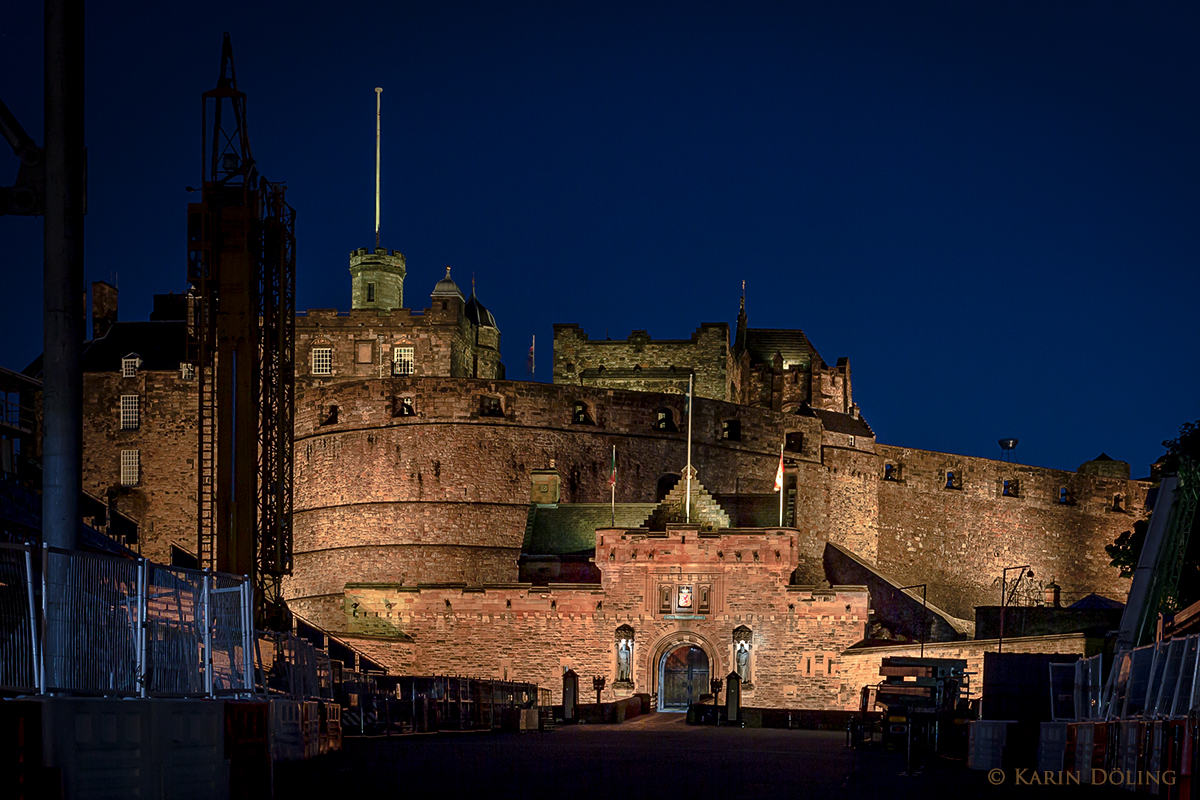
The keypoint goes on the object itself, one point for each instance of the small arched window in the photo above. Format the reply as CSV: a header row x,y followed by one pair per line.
x,y
731,430
664,420
1118,502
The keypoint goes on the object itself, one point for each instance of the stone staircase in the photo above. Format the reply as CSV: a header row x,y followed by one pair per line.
x,y
705,510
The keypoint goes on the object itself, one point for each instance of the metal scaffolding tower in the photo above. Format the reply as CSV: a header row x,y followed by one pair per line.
x,y
242,270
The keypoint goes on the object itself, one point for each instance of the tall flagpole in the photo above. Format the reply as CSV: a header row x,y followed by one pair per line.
x,y
378,96
613,481
781,486
688,471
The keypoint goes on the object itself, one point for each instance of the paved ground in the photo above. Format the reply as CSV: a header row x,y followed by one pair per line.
x,y
646,757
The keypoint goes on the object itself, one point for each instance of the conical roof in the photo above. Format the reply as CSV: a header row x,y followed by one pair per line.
x,y
477,312
447,288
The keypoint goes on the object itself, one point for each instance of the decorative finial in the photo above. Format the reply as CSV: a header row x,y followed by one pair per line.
x,y
447,270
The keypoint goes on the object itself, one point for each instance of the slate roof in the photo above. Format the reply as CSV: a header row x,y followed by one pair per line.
x,y
793,345
1094,600
162,346
477,312
837,422
570,528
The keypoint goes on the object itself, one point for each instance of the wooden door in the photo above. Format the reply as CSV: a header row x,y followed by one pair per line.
x,y
685,677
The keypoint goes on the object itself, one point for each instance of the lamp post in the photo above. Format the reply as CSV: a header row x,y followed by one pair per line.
x,y
1004,597
715,685
598,684
924,616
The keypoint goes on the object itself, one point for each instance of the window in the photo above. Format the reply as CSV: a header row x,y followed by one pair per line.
x,y
664,420
363,352
402,360
580,415
490,407
890,473
322,361
129,366
731,430
1064,497
664,598
187,372
852,441
370,293
794,442
1118,503
407,409
1010,487
952,481
130,416
333,416
131,463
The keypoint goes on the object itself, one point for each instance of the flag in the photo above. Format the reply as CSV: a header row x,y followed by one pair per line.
x,y
779,474
612,476
531,346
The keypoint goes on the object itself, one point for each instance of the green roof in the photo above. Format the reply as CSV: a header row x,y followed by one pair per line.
x,y
570,528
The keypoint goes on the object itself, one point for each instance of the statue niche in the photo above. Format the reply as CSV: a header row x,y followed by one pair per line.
x,y
742,637
624,646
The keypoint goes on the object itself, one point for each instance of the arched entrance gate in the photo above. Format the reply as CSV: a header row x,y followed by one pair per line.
x,y
683,677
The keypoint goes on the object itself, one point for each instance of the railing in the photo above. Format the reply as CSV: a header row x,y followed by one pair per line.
x,y
92,624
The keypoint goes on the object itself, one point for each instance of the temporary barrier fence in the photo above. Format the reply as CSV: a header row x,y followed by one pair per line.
x,y
84,623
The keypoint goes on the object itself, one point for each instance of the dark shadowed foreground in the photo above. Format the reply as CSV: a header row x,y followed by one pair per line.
x,y
643,758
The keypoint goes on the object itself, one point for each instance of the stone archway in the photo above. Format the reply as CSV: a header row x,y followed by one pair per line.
x,y
682,653
683,675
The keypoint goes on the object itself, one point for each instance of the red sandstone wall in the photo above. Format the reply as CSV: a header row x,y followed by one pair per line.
x,y
536,633
959,540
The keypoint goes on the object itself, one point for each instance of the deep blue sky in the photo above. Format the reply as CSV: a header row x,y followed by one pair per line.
x,y
992,209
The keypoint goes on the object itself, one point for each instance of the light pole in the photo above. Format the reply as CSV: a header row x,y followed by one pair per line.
x,y
1004,597
715,685
924,615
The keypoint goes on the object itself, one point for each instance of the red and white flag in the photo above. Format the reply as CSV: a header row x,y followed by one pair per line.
x,y
779,474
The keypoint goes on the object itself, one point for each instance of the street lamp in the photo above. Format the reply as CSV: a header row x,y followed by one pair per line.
x,y
1004,596
598,684
715,684
924,616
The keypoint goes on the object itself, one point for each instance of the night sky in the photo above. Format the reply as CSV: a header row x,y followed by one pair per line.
x,y
991,209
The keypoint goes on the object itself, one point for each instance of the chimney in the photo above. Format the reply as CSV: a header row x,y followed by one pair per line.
x,y
1052,594
104,308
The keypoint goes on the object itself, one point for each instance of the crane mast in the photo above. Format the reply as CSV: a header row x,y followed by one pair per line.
x,y
242,272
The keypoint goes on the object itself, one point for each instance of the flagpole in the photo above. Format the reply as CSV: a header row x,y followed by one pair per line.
x,y
781,486
614,487
688,471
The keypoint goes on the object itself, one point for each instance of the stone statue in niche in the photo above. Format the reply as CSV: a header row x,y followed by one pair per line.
x,y
742,637
624,641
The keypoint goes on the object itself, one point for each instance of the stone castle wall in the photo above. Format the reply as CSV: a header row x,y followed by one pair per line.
x,y
958,540
164,499
535,633
706,353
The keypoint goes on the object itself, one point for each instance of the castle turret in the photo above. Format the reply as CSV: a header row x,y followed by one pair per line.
x,y
377,278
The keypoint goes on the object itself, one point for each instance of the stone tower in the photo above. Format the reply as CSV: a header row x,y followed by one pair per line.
x,y
377,278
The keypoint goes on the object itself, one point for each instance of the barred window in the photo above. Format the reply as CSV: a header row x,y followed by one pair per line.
x,y
130,415
131,466
187,372
402,361
129,366
322,361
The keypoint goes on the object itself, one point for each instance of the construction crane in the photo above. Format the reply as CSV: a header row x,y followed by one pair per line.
x,y
241,332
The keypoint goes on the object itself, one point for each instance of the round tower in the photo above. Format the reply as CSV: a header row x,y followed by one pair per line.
x,y
377,278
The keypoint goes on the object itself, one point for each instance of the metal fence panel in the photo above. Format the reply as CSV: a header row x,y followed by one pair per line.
x,y
90,609
175,624
228,636
17,644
